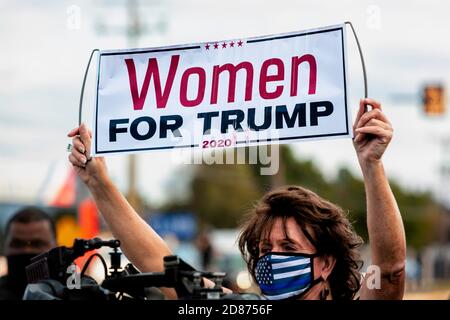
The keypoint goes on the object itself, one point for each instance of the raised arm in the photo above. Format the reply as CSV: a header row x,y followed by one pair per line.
x,y
139,242
373,132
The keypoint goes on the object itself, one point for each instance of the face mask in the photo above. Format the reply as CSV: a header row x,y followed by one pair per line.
x,y
283,275
17,278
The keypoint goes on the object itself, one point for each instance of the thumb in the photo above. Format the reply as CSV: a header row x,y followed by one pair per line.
x,y
73,132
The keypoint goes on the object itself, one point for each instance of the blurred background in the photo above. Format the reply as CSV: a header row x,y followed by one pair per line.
x,y
196,208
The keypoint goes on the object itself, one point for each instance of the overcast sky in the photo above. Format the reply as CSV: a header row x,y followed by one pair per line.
x,y
45,46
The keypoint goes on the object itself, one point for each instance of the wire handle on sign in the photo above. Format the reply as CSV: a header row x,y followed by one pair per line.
x,y
80,106
366,94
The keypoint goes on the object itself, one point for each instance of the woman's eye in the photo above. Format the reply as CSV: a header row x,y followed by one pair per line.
x,y
289,248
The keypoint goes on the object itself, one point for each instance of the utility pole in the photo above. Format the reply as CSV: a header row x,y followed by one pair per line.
x,y
278,179
134,30
444,232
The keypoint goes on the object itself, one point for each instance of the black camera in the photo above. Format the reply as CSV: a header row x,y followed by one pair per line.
x,y
49,280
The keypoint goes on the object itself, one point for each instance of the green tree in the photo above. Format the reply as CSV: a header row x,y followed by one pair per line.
x,y
222,194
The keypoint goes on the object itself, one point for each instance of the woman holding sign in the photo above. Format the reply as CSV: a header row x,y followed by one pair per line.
x,y
296,244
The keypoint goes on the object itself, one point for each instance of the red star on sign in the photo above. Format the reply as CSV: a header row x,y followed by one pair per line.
x,y
232,44
216,45
240,43
207,46
224,45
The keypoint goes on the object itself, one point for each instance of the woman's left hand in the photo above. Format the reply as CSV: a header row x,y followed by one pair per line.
x,y
372,133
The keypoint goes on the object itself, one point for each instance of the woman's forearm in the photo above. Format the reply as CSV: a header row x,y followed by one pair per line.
x,y
384,221
139,242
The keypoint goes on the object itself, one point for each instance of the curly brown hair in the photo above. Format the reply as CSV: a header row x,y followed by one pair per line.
x,y
324,224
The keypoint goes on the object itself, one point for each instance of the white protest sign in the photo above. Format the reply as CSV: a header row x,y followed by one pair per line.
x,y
278,88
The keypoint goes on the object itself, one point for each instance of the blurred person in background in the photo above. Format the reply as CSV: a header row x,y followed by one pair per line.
x,y
205,248
296,244
28,233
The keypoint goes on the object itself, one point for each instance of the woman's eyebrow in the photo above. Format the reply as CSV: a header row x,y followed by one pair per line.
x,y
291,241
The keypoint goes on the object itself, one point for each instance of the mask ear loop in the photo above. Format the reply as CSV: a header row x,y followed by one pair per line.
x,y
80,106
366,95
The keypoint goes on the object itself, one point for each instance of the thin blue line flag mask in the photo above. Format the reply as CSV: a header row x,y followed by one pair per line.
x,y
282,275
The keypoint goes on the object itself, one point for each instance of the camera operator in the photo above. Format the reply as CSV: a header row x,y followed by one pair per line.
x,y
28,233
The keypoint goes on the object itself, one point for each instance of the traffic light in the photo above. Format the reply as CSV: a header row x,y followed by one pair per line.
x,y
434,99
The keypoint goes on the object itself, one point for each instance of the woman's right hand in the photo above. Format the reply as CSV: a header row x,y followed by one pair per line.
x,y
89,169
